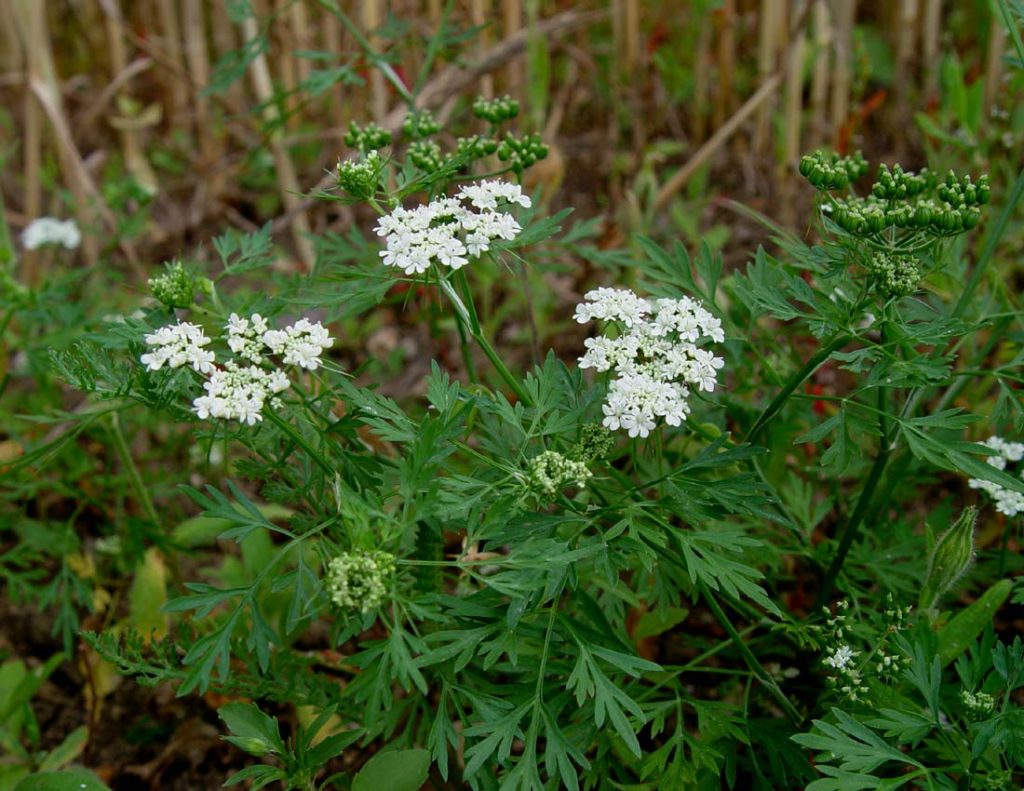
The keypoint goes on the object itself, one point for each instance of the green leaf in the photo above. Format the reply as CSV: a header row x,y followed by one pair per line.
x,y
252,730
243,252
964,627
659,621
67,751
260,774
539,230
904,726
148,595
853,744
395,770
68,780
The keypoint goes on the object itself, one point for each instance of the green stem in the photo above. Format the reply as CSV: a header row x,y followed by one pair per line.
x,y
143,494
467,351
133,471
837,341
852,527
302,442
468,315
755,666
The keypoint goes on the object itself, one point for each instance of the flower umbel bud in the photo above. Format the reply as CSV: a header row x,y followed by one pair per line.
x,y
175,288
950,558
978,705
359,580
367,138
895,275
550,471
595,442
360,177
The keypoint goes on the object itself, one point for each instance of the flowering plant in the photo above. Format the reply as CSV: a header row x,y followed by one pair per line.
x,y
510,568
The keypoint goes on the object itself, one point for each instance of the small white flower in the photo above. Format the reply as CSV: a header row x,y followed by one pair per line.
x,y
49,230
841,657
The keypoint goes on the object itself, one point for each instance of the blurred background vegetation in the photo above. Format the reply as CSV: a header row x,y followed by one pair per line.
x,y
159,122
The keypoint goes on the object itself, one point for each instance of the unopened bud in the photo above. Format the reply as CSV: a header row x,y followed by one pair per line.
x,y
950,558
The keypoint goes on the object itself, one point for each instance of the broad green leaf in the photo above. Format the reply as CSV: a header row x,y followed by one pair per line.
x,y
656,622
395,770
68,780
964,627
252,730
148,596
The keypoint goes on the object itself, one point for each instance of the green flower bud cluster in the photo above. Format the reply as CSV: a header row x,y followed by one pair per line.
x,y
898,184
963,193
426,155
895,274
361,177
857,216
977,705
367,138
359,580
1000,780
899,199
497,110
550,472
830,172
868,216
522,152
175,288
950,558
476,147
419,124
595,443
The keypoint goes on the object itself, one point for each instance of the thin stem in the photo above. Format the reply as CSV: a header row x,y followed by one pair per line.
x,y
467,351
853,526
133,471
143,493
837,341
748,657
302,442
469,317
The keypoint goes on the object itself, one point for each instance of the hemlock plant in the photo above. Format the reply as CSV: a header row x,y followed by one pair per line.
x,y
487,559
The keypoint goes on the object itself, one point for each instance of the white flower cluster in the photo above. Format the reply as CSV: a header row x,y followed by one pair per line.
x,y
234,391
176,345
1007,501
300,344
447,231
655,356
48,230
359,580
